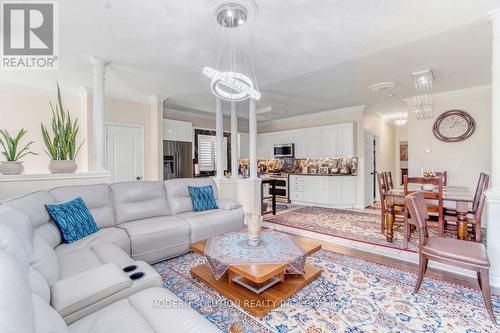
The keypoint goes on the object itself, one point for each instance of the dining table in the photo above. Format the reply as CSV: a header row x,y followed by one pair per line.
x,y
457,198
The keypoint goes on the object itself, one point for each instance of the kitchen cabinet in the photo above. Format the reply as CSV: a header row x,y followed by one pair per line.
x,y
175,130
265,142
243,146
323,191
331,141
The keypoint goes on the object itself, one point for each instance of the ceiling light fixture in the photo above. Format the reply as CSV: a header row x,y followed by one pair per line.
x,y
232,72
382,86
421,104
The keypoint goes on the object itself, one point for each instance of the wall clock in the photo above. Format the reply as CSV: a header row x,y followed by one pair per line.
x,y
454,126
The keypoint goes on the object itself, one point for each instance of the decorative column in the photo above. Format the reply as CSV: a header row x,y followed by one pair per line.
x,y
493,194
98,117
253,138
219,139
234,141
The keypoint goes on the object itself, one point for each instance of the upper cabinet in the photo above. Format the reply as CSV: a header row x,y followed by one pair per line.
x,y
330,141
175,130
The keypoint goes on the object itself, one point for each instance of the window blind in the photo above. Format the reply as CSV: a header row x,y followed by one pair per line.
x,y
207,152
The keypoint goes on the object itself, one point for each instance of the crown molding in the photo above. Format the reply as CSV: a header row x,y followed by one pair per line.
x,y
334,112
454,93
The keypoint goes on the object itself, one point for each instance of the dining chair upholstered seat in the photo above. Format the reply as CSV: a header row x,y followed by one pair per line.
x,y
468,253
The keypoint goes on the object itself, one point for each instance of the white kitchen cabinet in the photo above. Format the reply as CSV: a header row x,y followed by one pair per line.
x,y
301,138
313,143
243,146
328,141
323,191
284,137
344,140
265,143
175,130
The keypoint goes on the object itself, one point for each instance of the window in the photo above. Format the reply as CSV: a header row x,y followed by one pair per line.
x,y
207,153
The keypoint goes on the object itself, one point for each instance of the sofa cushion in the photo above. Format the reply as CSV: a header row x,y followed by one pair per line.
x,y
20,224
148,311
73,219
157,238
44,260
50,233
202,198
11,245
97,198
211,223
178,195
227,204
47,320
82,259
33,205
139,200
115,236
16,307
39,285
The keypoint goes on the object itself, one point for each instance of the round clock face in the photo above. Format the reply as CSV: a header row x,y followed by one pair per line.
x,y
454,126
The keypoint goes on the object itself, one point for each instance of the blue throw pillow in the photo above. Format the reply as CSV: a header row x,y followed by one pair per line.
x,y
203,198
73,219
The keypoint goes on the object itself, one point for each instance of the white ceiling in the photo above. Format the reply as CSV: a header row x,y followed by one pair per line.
x,y
308,55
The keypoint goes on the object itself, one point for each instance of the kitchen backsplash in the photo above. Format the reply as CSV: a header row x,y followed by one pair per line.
x,y
344,166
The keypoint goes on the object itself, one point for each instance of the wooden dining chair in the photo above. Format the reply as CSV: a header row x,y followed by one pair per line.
x,y
434,203
382,190
444,174
397,207
450,251
474,216
388,179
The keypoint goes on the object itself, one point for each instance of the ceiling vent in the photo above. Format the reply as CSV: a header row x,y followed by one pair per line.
x,y
382,86
270,112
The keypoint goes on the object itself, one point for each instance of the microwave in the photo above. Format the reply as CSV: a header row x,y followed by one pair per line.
x,y
284,150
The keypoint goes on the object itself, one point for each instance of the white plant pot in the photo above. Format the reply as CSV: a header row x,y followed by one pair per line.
x,y
11,167
62,166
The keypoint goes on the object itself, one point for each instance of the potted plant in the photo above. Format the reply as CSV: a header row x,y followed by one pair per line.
x,y
13,153
61,144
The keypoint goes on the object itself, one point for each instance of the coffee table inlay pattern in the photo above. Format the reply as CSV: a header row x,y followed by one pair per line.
x,y
274,248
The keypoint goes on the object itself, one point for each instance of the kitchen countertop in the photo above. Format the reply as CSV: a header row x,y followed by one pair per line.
x,y
322,174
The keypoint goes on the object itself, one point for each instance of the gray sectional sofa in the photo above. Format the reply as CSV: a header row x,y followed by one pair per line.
x,y
83,284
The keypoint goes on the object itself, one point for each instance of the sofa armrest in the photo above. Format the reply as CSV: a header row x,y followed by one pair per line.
x,y
227,204
82,290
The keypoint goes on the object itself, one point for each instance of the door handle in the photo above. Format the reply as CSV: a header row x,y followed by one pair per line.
x,y
138,178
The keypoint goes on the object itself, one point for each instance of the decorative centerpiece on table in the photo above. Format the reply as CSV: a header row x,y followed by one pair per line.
x,y
254,227
61,144
13,153
429,174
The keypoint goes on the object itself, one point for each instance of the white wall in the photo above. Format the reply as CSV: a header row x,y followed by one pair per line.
x,y
400,135
463,160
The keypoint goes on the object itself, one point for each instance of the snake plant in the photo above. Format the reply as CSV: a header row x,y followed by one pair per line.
x,y
61,144
10,144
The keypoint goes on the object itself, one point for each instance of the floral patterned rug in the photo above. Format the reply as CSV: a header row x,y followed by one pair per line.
x,y
351,295
362,227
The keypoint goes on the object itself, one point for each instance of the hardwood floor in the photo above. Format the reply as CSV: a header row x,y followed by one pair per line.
x,y
400,264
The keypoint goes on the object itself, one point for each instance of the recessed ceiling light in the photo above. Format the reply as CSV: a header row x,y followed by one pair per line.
x,y
391,94
382,86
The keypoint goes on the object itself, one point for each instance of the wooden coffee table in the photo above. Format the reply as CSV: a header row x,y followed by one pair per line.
x,y
257,276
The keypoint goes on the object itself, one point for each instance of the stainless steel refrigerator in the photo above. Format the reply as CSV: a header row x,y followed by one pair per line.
x,y
177,159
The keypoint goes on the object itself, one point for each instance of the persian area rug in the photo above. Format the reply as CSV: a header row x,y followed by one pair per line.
x,y
351,295
362,227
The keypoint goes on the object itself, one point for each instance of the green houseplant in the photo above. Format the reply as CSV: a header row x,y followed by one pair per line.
x,y
61,143
13,152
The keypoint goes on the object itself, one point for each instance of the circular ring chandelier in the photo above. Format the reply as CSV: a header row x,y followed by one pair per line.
x,y
230,85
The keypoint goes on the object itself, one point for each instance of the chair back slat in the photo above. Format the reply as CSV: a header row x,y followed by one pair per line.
x,y
388,180
482,186
417,208
382,185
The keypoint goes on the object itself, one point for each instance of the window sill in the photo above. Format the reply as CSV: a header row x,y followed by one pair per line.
x,y
50,176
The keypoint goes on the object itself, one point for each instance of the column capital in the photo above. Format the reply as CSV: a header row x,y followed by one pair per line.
x,y
493,14
99,62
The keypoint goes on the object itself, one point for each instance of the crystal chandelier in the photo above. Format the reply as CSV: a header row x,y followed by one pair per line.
x,y
230,67
421,105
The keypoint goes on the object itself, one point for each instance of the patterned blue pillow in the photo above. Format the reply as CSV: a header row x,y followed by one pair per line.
x,y
73,219
203,198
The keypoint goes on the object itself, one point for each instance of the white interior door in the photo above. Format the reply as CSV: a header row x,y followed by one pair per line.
x,y
370,150
125,152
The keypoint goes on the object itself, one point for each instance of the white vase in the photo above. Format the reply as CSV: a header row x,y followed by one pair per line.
x,y
62,166
11,167
254,226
